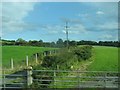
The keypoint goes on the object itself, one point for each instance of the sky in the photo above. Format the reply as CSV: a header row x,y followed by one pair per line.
x,y
96,21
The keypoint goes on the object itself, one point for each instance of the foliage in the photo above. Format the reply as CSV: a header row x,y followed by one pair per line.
x,y
59,43
49,61
63,60
73,43
41,76
66,58
83,53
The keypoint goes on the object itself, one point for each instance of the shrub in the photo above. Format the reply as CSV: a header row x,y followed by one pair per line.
x,y
83,53
40,77
49,61
64,59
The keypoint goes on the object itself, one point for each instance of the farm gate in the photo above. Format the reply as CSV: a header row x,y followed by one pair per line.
x,y
59,79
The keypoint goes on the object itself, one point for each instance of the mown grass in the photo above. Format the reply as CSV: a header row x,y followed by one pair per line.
x,y
19,53
105,59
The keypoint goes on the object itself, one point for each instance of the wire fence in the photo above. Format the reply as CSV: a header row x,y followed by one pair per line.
x,y
34,59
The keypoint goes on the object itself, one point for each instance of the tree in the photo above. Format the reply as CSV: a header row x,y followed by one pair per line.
x,y
53,44
34,43
73,43
41,42
60,43
20,41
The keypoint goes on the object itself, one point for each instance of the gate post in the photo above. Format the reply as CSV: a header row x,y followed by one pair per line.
x,y
4,86
12,64
29,76
54,78
27,61
105,80
78,77
50,52
36,58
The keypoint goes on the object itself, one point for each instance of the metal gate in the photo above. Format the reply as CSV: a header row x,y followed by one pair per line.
x,y
78,79
59,79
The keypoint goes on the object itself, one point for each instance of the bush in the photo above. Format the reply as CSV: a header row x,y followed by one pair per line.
x,y
49,61
83,53
41,76
64,59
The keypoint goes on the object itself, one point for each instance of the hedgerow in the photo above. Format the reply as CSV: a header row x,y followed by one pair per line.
x,y
63,60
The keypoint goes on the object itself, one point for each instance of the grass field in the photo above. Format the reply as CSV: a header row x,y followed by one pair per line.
x,y
18,53
105,59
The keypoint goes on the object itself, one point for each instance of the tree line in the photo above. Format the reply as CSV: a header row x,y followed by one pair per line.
x,y
59,43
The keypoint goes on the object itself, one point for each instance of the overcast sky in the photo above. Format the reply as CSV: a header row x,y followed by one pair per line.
x,y
38,20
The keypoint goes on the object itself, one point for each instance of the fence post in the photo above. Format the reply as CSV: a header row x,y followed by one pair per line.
x,y
36,58
78,79
105,81
29,76
12,64
50,52
57,67
54,51
26,60
54,78
4,80
44,53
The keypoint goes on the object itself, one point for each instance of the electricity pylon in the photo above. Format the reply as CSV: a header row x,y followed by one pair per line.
x,y
67,21
66,28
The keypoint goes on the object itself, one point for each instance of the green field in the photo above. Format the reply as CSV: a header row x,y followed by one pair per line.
x,y
105,59
18,53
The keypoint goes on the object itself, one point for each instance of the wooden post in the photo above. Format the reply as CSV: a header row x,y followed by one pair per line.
x,y
78,77
26,60
44,53
50,53
57,67
12,64
29,76
36,58
4,80
54,51
54,78
105,81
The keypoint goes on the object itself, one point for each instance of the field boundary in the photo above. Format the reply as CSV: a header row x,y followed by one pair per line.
x,y
90,79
